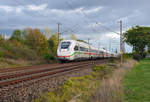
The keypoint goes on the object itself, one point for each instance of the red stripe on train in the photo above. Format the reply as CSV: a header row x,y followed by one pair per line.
x,y
63,56
88,53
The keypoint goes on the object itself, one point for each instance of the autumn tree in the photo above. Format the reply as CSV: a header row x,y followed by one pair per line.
x,y
36,40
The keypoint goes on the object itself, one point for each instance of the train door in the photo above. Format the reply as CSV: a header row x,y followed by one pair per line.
x,y
89,52
76,50
79,52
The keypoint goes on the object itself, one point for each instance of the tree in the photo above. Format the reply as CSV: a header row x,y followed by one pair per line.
x,y
53,43
36,40
17,35
138,37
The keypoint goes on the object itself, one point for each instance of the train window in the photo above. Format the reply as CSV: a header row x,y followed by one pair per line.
x,y
86,49
76,48
65,45
83,49
95,51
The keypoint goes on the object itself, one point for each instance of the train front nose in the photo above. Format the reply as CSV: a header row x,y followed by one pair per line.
x,y
63,52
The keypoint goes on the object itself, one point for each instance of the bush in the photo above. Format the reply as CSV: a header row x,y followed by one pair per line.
x,y
11,50
24,53
111,60
127,55
137,56
49,57
1,54
98,68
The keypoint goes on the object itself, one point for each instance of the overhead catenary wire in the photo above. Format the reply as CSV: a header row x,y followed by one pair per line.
x,y
107,28
70,6
70,29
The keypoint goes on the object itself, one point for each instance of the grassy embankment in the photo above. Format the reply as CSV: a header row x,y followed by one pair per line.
x,y
137,83
79,89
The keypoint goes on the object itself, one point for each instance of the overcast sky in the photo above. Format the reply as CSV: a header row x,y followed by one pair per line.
x,y
94,19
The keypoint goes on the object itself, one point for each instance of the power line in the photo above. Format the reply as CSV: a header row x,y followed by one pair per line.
x,y
71,30
64,19
58,32
84,13
69,5
20,3
107,28
101,24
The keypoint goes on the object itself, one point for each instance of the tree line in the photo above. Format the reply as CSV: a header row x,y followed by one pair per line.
x,y
31,44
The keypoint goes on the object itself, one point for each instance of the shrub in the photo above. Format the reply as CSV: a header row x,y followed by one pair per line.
x,y
98,68
1,54
49,57
127,55
24,53
137,56
111,60
13,51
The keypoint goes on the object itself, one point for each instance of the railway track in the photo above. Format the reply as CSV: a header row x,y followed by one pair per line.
x,y
32,74
26,68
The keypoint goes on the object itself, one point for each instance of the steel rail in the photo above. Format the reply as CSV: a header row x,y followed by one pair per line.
x,y
16,81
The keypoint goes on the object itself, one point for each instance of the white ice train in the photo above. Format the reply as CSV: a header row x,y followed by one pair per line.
x,y
71,50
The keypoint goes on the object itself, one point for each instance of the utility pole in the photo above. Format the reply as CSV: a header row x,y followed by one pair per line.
x,y
88,40
121,50
58,32
89,46
110,44
89,43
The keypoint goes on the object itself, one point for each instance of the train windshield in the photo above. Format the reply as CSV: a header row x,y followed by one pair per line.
x,y
65,45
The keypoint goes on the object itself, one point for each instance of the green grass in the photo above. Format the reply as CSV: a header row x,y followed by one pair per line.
x,y
137,83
